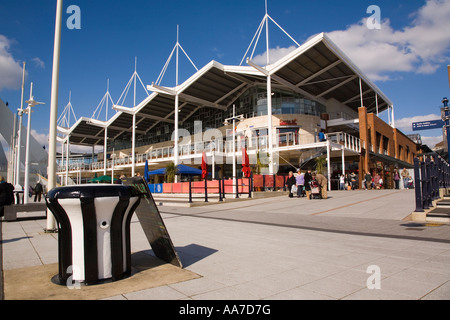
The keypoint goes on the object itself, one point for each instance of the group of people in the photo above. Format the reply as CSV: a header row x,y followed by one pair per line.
x,y
6,195
302,183
374,181
405,177
348,183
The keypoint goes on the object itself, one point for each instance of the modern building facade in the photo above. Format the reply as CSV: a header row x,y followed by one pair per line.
x,y
278,111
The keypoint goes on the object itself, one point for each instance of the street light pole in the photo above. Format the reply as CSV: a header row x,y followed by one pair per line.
x,y
234,119
31,103
19,133
51,222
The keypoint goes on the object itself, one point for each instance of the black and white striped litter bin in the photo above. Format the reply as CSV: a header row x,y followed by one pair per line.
x,y
93,231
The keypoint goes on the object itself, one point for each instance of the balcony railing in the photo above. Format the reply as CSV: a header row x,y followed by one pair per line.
x,y
220,147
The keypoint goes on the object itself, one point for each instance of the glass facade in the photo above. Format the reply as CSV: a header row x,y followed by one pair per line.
x,y
252,103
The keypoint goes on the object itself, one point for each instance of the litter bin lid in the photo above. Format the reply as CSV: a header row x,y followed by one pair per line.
x,y
93,191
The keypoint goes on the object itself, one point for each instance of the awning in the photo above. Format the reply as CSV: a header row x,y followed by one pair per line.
x,y
389,160
181,169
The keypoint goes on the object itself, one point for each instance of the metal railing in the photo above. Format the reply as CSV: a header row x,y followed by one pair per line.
x,y
348,141
219,146
431,173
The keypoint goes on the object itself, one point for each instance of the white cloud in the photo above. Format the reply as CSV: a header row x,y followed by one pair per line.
x,y
405,124
420,47
39,63
10,69
41,138
431,141
274,55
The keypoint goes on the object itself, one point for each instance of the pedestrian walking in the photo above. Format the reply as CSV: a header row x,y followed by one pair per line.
x,y
405,177
353,180
300,180
308,179
38,189
396,179
376,181
368,182
341,182
291,184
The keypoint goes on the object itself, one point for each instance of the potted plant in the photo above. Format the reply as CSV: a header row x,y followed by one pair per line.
x,y
171,171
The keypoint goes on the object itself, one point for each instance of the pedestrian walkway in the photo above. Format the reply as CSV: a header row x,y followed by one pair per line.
x,y
356,245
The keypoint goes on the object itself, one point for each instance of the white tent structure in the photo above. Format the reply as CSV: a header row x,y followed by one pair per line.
x,y
38,155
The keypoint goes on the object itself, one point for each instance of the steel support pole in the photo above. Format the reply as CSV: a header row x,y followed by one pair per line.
x,y
67,161
269,124
105,151
51,222
19,131
234,150
133,147
176,152
329,165
417,186
26,181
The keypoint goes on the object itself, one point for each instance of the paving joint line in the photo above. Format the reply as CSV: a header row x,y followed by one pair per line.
x,y
355,203
355,233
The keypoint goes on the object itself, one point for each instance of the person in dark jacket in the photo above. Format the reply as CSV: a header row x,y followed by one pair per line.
x,y
308,179
291,182
6,195
38,190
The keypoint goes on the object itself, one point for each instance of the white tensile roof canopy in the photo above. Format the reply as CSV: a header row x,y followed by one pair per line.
x,y
318,69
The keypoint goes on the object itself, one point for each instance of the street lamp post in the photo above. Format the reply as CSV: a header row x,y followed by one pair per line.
x,y
234,119
31,103
19,132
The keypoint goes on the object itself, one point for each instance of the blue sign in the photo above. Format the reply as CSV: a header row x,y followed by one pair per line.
x,y
427,125
156,188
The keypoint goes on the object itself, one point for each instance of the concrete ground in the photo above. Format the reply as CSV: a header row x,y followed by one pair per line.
x,y
356,245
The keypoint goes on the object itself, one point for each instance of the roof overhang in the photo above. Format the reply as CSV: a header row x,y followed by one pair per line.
x,y
318,70
323,71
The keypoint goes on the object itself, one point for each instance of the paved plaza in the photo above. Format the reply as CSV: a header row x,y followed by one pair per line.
x,y
356,245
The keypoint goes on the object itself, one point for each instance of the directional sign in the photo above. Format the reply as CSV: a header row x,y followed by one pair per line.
x,y
427,125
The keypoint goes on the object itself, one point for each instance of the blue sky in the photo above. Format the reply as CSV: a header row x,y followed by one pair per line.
x,y
407,58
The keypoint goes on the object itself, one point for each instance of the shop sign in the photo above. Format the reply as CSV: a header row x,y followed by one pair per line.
x,y
288,122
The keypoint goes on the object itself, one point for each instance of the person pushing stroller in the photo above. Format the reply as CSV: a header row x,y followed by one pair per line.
x,y
322,183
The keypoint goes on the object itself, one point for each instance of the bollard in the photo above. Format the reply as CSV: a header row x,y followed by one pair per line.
x,y
190,189
250,185
220,190
237,187
223,187
206,189
93,231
